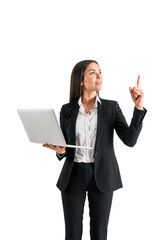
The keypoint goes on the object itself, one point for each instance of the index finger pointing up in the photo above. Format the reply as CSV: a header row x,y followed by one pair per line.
x,y
138,82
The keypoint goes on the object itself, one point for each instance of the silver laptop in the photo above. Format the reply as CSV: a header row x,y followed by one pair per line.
x,y
41,126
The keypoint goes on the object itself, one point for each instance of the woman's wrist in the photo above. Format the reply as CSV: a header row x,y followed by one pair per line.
x,y
139,107
61,153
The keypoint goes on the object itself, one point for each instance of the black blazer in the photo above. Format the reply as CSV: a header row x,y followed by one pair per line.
x,y
110,117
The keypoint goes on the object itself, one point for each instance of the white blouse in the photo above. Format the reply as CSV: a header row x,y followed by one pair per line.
x,y
86,129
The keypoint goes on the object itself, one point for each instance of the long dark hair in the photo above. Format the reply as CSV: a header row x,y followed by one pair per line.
x,y
77,76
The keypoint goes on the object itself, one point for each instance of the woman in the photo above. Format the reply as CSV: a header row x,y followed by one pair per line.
x,y
89,120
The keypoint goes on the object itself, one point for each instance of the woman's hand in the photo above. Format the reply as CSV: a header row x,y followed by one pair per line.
x,y
137,95
58,149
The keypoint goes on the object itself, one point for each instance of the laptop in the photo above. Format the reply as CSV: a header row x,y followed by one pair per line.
x,y
41,126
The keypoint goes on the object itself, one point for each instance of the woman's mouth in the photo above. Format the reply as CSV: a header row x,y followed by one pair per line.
x,y
99,83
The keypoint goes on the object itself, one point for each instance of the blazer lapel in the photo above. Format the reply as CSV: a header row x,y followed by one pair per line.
x,y
72,123
100,117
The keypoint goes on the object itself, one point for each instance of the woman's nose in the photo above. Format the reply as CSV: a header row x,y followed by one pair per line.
x,y
98,75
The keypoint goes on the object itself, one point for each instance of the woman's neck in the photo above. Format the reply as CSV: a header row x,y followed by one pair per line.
x,y
89,98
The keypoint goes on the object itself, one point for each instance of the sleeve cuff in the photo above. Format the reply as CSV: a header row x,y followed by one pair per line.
x,y
144,111
60,155
139,115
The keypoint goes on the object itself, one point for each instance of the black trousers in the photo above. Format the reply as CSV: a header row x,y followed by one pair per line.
x,y
73,198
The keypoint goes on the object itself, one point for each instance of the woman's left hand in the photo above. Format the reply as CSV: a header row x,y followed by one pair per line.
x,y
137,95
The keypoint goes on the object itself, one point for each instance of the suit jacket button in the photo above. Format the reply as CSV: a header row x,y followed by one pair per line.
x,y
95,154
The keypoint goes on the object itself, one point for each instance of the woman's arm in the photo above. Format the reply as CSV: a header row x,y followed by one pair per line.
x,y
128,134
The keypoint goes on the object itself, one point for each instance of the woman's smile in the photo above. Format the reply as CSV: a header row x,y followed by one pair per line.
x,y
99,83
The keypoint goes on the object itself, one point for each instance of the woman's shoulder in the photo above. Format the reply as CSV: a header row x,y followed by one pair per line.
x,y
108,101
67,108
70,104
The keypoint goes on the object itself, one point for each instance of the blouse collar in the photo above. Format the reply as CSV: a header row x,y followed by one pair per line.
x,y
95,105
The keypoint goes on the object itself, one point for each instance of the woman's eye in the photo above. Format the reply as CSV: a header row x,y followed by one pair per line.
x,y
91,73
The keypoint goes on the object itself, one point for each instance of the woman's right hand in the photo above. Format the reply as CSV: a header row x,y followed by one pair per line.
x,y
58,149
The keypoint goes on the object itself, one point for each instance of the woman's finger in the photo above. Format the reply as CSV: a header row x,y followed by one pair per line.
x,y
53,147
138,82
131,92
45,145
48,146
140,92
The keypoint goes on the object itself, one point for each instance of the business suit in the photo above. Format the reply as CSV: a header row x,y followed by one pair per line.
x,y
110,117
98,179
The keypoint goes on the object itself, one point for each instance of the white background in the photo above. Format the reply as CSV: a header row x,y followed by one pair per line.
x,y
40,43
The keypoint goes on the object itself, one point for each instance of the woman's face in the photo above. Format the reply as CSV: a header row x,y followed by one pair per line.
x,y
92,78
